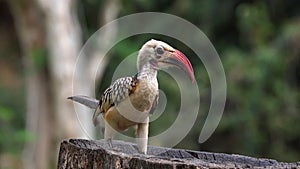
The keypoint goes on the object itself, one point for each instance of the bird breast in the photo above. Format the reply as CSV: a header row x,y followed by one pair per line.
x,y
144,96
137,106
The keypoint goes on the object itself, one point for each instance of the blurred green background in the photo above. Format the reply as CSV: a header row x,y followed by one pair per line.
x,y
258,43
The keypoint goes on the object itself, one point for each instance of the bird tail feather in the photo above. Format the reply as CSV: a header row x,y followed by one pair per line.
x,y
85,100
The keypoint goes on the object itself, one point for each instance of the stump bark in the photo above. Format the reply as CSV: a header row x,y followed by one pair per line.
x,y
79,153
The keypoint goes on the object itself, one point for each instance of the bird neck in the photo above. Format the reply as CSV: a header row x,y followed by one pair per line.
x,y
147,72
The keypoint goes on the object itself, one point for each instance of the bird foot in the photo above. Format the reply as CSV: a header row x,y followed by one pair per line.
x,y
117,149
109,142
111,146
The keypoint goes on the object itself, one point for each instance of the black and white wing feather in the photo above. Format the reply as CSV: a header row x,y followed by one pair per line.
x,y
114,94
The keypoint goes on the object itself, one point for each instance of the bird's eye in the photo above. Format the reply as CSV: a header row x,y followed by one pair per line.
x,y
160,50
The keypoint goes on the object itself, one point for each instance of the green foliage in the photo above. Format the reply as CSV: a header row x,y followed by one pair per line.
x,y
263,107
260,103
12,133
38,56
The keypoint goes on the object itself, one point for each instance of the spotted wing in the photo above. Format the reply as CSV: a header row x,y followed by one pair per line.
x,y
114,94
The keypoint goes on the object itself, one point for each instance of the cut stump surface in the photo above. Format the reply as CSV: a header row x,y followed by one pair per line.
x,y
79,153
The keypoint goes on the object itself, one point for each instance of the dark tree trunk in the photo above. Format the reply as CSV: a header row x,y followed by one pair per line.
x,y
77,153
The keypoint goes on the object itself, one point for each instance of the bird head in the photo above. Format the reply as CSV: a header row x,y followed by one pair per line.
x,y
161,55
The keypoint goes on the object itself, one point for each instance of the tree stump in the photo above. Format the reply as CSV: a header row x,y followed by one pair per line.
x,y
79,153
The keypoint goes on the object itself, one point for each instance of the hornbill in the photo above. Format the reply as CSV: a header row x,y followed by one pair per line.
x,y
129,101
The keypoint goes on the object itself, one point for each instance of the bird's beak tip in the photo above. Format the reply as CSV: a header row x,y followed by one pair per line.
x,y
185,64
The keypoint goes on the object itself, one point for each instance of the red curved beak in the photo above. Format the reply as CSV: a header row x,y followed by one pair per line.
x,y
180,60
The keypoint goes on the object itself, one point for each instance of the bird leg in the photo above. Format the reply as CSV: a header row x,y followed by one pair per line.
x,y
109,132
142,136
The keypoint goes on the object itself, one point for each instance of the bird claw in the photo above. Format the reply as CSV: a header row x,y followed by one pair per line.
x,y
109,142
111,147
117,149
